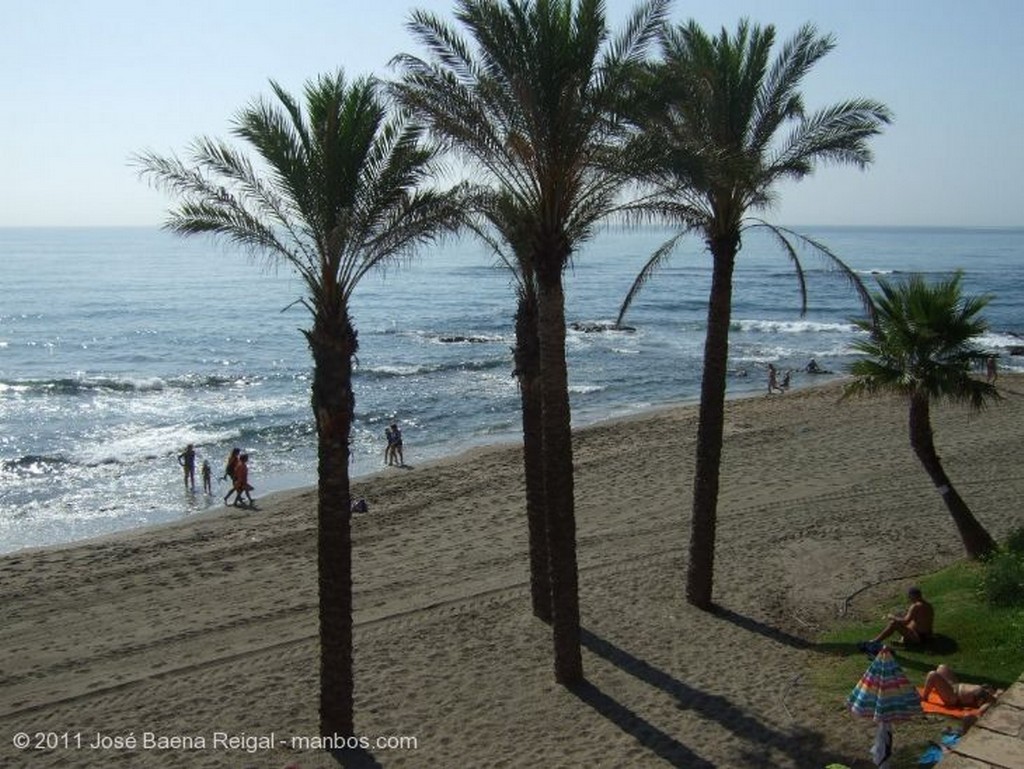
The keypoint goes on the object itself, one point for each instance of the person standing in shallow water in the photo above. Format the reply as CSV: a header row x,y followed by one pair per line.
x,y
187,460
207,474
396,448
389,449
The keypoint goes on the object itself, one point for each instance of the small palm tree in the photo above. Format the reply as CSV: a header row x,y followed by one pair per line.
x,y
921,345
532,105
725,126
337,193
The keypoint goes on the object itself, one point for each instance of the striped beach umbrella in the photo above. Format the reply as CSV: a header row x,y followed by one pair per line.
x,y
884,694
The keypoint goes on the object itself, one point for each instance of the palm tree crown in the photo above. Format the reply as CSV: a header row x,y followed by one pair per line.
x,y
728,103
922,342
533,102
338,191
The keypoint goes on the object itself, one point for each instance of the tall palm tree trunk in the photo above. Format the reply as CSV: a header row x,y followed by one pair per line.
x,y
527,358
977,541
333,344
711,422
558,475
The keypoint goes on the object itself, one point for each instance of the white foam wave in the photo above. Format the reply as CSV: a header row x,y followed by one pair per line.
x,y
585,389
792,327
135,443
396,370
995,341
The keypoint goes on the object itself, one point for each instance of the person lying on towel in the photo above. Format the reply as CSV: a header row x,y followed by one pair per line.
x,y
954,693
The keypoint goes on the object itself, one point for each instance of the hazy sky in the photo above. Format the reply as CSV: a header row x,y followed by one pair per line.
x,y
84,85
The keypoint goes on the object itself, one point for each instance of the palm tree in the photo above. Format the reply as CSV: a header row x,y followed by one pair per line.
x,y
531,104
718,108
338,192
920,345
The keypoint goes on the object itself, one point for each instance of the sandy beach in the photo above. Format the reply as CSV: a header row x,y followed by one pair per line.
x,y
194,645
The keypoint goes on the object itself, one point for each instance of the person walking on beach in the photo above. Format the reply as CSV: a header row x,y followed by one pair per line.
x,y
773,380
230,464
229,471
207,474
187,460
991,369
396,438
241,481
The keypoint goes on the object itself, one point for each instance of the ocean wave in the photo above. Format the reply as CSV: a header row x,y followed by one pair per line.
x,y
791,327
446,337
468,339
397,371
1000,340
33,465
130,446
117,384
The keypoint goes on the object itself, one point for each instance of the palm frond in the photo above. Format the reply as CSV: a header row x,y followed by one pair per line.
x,y
656,260
777,99
836,134
831,260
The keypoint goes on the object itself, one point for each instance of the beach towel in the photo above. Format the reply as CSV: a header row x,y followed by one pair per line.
x,y
934,704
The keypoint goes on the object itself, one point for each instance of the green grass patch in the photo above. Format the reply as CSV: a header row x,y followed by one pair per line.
x,y
980,642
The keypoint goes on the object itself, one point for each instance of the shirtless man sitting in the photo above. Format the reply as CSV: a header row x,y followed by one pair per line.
x,y
915,625
955,694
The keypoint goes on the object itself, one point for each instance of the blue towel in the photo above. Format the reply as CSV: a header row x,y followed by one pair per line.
x,y
932,756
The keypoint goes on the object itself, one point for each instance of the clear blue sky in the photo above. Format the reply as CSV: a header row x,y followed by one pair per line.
x,y
83,85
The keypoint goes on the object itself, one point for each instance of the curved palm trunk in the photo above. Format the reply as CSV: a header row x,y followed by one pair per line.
x,y
333,344
701,567
977,541
527,358
558,477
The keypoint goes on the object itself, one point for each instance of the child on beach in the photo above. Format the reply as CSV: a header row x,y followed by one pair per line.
x,y
207,477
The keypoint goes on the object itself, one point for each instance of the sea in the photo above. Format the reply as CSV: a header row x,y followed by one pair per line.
x,y
119,346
